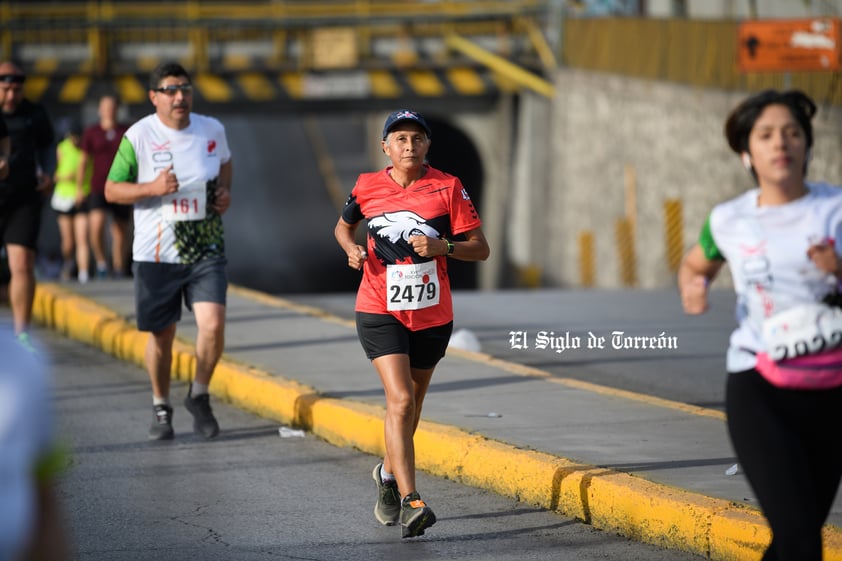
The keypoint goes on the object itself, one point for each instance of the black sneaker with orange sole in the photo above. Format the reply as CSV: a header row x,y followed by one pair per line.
x,y
416,516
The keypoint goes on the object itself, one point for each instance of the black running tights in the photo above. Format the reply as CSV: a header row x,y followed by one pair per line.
x,y
787,444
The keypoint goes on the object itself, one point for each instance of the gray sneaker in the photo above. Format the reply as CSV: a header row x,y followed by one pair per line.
x,y
388,507
416,516
161,428
204,422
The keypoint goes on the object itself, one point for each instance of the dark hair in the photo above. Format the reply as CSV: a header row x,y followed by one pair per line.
x,y
741,120
165,70
113,95
68,125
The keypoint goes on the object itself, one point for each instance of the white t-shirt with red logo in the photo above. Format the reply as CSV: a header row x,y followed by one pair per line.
x,y
766,250
177,228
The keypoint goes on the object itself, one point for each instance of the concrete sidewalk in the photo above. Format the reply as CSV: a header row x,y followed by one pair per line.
x,y
648,468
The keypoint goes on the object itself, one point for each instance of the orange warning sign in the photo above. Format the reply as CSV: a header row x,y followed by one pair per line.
x,y
788,45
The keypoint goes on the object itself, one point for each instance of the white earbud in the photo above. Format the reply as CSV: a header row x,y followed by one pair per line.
x,y
746,161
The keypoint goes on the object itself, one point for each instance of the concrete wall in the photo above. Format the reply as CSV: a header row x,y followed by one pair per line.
x,y
604,126
526,232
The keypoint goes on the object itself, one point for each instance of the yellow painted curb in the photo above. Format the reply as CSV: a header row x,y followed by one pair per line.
x,y
609,500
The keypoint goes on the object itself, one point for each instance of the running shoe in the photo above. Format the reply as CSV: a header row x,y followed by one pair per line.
x,y
388,507
26,342
204,422
161,428
416,516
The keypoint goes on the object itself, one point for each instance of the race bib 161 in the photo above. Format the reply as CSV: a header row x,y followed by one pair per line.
x,y
188,203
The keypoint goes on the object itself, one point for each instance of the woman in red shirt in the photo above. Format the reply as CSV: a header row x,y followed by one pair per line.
x,y
404,309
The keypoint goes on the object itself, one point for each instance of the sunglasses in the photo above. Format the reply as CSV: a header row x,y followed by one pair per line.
x,y
170,90
12,78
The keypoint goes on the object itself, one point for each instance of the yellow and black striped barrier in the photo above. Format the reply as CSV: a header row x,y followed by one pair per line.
x,y
257,86
674,233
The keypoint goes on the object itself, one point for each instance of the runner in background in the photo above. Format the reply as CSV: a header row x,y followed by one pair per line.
x,y
29,178
99,145
70,201
175,167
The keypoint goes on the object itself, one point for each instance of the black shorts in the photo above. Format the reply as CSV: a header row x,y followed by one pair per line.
x,y
81,209
20,223
97,201
383,334
159,289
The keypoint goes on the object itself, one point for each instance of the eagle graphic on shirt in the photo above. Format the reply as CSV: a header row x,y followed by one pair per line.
x,y
391,232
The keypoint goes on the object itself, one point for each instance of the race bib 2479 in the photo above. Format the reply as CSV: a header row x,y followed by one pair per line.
x,y
412,287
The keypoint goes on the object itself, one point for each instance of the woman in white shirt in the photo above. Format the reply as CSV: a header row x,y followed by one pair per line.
x,y
779,240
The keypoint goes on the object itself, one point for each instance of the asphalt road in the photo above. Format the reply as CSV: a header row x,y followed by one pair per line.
x,y
253,495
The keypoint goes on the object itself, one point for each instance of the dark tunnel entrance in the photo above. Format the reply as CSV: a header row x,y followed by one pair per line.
x,y
453,151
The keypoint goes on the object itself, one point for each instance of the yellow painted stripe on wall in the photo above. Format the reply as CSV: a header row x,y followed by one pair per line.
x,y
75,89
383,84
466,81
46,65
256,86
293,83
130,89
213,88
35,86
425,82
237,61
146,63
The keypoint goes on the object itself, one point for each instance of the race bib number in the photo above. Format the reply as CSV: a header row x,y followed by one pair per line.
x,y
806,329
188,203
412,287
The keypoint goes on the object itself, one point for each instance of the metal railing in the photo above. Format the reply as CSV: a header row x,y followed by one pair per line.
x,y
104,38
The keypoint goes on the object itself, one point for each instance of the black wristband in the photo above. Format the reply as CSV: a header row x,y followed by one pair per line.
x,y
450,246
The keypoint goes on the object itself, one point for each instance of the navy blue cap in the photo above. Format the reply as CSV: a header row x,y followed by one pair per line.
x,y
405,115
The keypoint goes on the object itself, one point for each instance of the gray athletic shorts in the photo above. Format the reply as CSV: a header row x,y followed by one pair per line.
x,y
160,287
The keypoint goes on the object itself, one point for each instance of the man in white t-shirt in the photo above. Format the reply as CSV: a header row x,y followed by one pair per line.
x,y
174,166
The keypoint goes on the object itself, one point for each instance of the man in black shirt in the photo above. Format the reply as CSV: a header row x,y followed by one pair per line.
x,y
5,148
29,175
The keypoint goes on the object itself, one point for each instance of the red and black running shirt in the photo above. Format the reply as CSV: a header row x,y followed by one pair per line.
x,y
437,205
